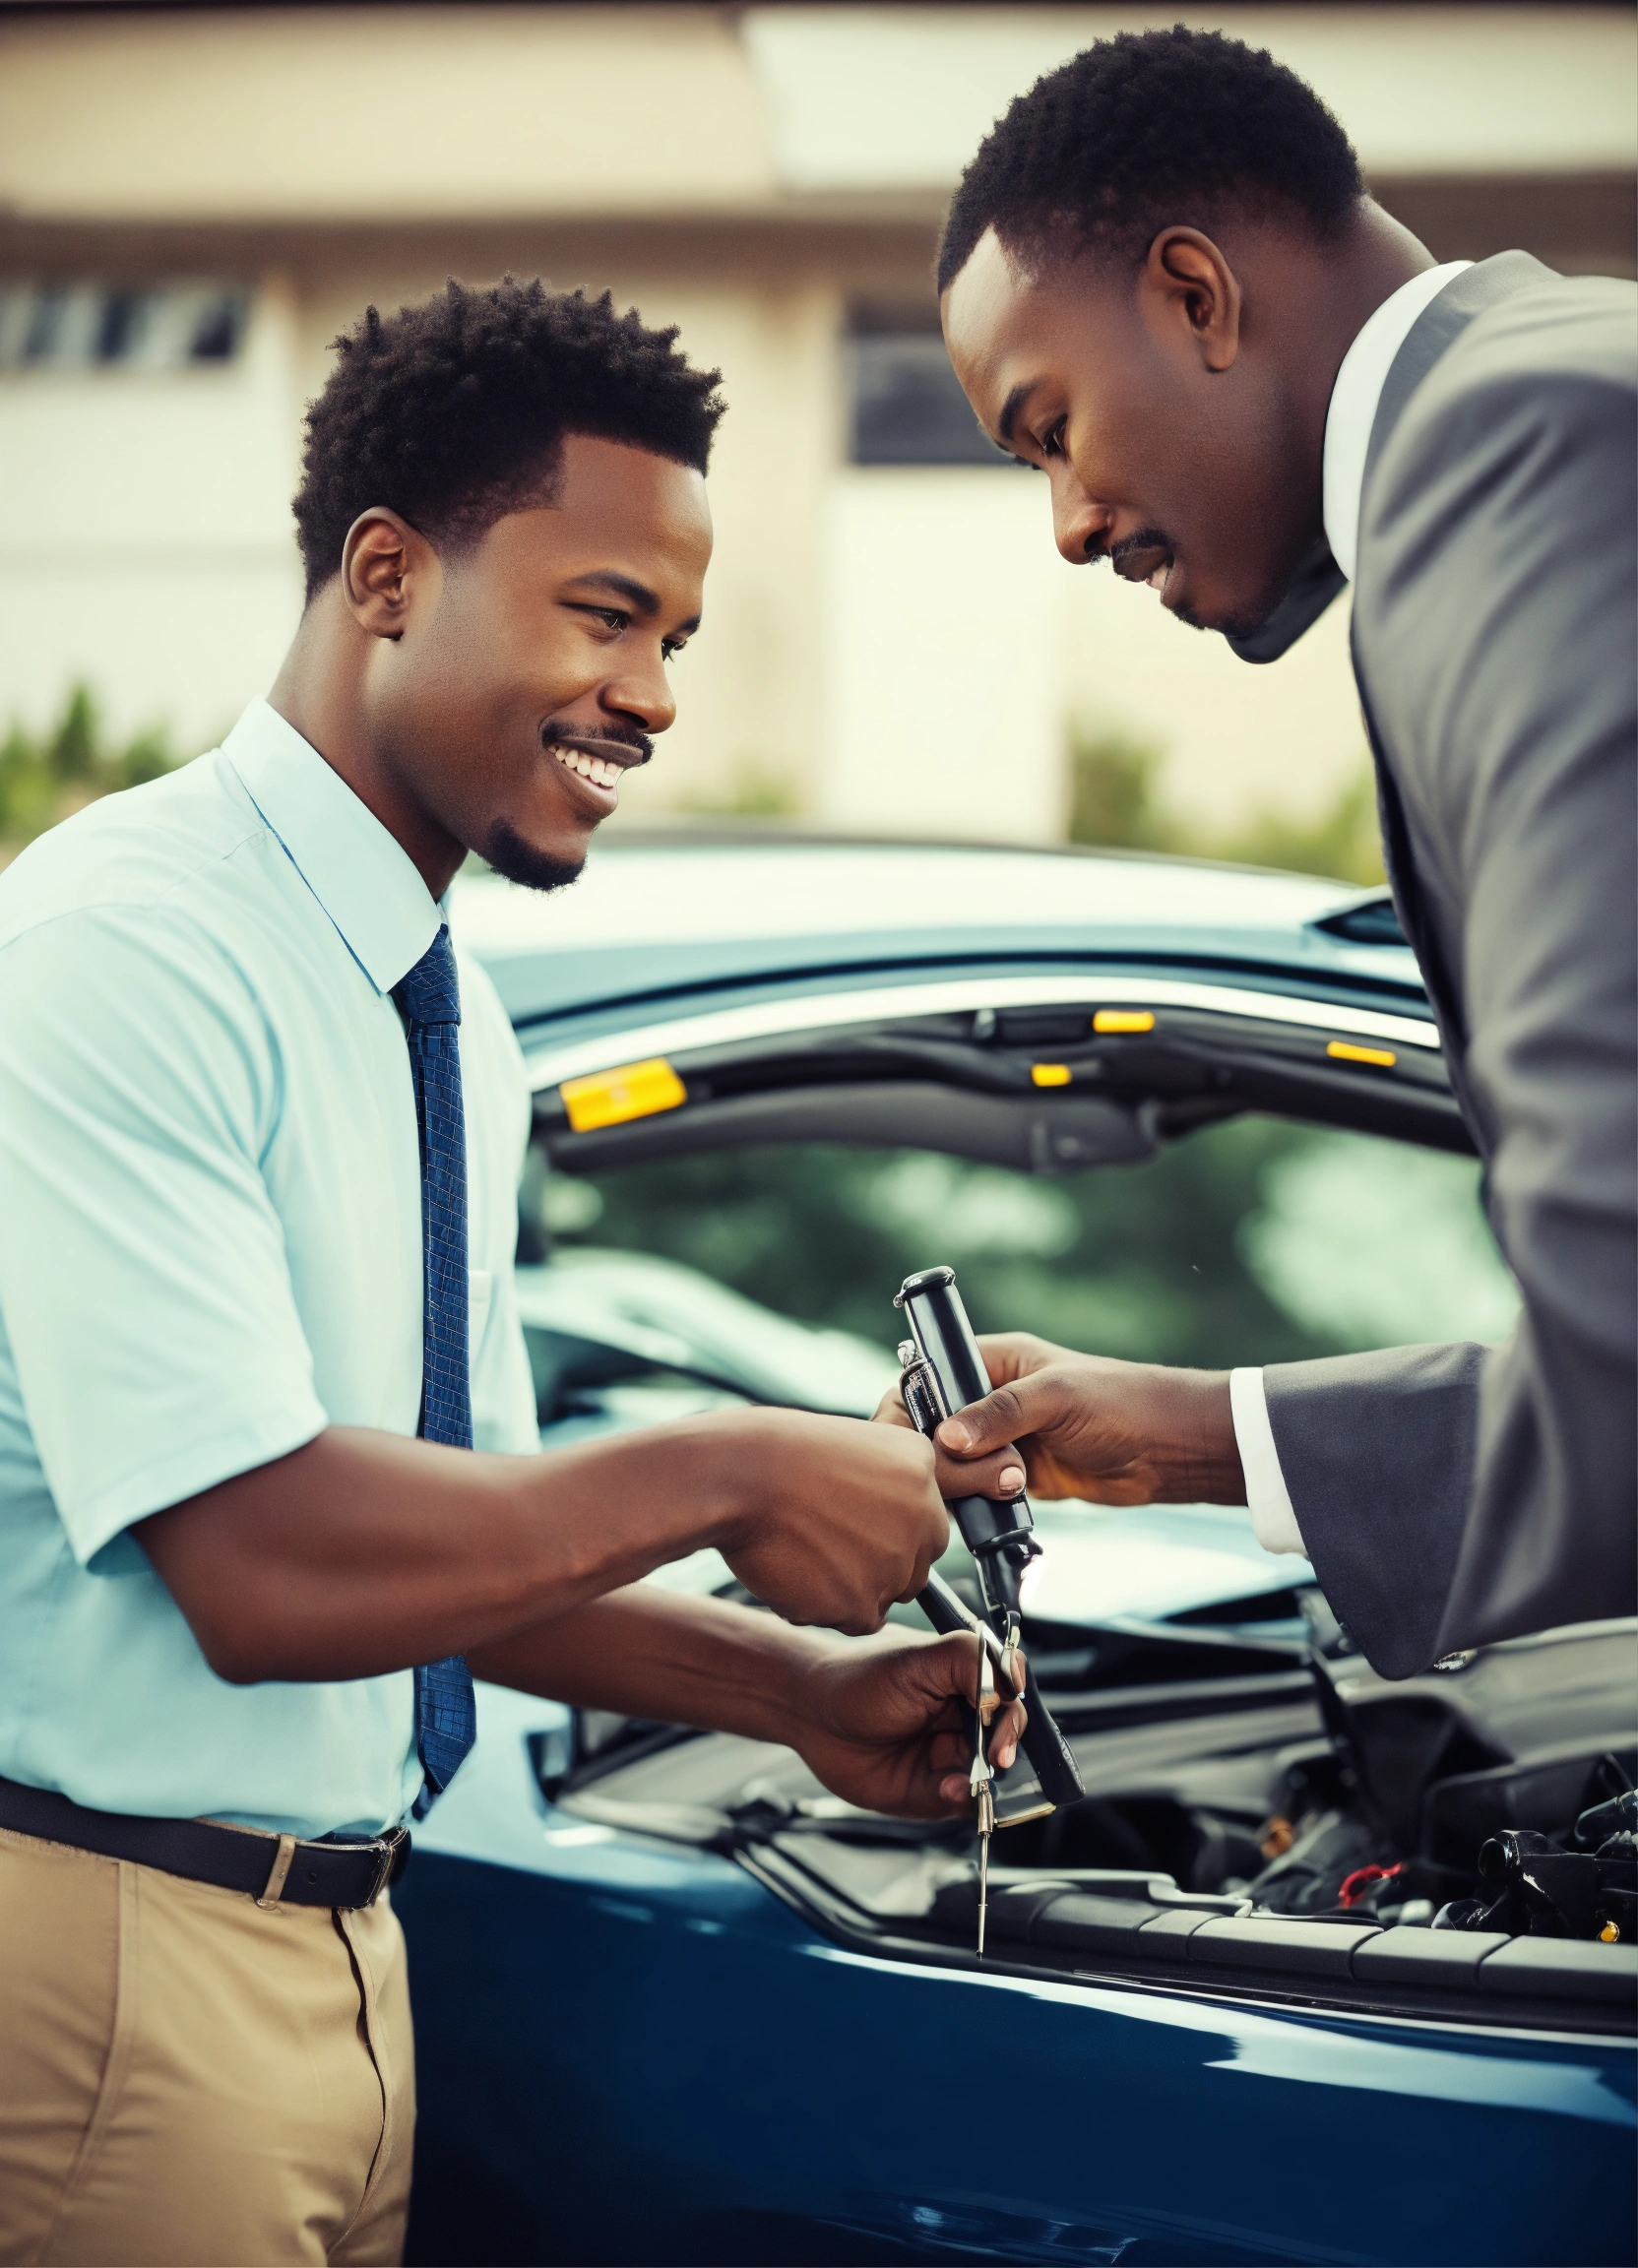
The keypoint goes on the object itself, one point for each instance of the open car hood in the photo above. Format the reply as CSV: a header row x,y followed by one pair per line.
x,y
1101,1564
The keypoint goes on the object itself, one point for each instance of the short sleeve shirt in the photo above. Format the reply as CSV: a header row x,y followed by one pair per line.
x,y
211,1250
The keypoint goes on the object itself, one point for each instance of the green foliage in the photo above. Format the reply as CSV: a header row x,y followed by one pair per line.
x,y
753,793
1115,803
72,752
1140,1260
1114,797
45,776
1342,840
1253,1240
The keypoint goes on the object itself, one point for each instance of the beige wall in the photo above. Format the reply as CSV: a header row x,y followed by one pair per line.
x,y
902,647
423,113
144,542
399,114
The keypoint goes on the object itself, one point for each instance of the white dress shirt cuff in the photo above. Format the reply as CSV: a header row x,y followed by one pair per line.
x,y
1273,1522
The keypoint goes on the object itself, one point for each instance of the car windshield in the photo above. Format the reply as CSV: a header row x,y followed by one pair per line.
x,y
1253,1240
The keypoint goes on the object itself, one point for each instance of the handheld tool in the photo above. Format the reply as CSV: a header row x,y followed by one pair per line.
x,y
982,1781
941,1372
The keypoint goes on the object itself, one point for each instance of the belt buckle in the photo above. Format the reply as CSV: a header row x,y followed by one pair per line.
x,y
386,1854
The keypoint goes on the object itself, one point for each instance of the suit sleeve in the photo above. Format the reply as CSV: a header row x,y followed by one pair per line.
x,y
1453,1496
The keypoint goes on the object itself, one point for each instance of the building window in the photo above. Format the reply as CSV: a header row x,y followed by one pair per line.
x,y
61,326
908,406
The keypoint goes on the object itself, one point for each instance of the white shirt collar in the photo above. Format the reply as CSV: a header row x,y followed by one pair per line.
x,y
360,875
1354,401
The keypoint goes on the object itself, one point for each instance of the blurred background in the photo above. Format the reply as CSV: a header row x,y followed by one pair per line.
x,y
194,200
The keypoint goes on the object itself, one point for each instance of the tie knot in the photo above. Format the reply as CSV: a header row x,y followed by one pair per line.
x,y
432,992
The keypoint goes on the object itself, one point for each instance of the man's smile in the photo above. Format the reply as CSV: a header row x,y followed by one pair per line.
x,y
594,763
1147,556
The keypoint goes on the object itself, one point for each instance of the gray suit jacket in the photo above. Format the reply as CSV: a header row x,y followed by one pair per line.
x,y
1453,1496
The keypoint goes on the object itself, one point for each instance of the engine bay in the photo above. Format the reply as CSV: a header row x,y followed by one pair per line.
x,y
1257,1799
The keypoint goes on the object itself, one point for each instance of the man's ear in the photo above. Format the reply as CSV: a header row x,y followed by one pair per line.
x,y
1190,296
385,566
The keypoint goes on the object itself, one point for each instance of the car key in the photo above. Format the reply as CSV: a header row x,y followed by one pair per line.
x,y
982,1780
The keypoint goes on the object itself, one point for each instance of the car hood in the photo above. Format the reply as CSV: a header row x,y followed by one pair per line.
x,y
1105,1563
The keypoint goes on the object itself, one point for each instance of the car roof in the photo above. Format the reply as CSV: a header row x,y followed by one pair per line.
x,y
670,918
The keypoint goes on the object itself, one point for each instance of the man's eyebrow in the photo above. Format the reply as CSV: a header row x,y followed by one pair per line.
x,y
640,595
1014,401
625,587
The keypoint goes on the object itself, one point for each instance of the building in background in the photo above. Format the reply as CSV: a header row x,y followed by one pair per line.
x,y
194,201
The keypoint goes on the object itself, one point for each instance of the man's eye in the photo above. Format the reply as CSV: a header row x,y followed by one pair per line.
x,y
1050,443
612,618
670,647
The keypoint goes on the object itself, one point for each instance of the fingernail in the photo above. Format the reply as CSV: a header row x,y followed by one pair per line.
x,y
954,1435
1012,1480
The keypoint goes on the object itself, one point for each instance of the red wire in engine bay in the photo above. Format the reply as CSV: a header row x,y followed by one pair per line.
x,y
1364,1880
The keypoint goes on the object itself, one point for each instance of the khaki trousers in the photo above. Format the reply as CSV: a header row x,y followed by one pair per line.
x,y
186,2077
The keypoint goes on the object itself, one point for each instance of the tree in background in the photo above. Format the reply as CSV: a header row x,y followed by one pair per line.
x,y
45,777
1115,804
753,792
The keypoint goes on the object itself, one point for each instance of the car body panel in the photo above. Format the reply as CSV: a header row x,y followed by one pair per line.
x,y
658,920
633,2052
573,1046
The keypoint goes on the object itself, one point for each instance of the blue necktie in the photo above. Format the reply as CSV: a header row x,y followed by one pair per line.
x,y
429,1003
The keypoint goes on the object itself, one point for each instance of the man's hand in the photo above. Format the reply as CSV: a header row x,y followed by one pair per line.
x,y
875,1720
1068,1425
839,1518
878,1723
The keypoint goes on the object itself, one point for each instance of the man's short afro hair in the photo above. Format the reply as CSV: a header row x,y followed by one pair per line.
x,y
1146,129
455,412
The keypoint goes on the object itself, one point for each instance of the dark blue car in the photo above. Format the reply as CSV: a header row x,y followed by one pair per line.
x,y
674,2002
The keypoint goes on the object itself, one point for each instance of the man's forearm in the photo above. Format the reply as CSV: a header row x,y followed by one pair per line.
x,y
645,1652
363,1551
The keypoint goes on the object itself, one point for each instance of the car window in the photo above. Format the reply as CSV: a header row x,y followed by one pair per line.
x,y
1252,1240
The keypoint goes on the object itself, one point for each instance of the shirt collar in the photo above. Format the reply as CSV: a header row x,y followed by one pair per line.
x,y
1354,400
364,879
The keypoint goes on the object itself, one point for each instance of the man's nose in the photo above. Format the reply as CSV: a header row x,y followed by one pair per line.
x,y
644,696
1079,520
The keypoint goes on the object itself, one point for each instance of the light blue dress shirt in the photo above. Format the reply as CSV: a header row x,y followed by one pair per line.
x,y
209,1250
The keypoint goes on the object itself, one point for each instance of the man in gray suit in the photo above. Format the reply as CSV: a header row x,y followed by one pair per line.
x,y
1164,284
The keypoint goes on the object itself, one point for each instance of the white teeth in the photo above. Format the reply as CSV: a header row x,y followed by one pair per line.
x,y
596,768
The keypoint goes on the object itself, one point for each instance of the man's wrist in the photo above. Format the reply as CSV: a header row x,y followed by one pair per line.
x,y
1202,1459
696,1482
798,1662
764,1671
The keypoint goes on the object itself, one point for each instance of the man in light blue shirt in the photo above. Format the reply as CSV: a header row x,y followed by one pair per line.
x,y
260,1136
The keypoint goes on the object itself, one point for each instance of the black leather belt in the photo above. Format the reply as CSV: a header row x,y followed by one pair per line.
x,y
273,1869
